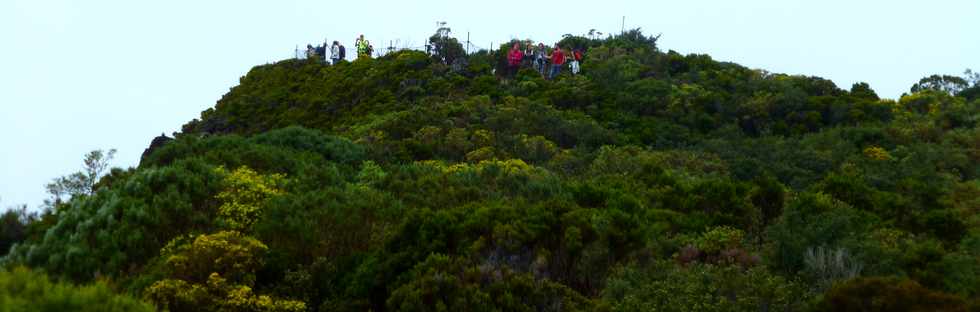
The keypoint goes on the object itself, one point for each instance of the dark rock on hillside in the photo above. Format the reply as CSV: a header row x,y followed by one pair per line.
x,y
157,142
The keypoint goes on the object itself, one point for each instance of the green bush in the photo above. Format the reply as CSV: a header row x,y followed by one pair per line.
x,y
666,286
812,221
884,294
215,273
22,290
124,227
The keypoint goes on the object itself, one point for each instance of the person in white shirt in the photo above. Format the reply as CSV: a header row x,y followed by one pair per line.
x,y
335,52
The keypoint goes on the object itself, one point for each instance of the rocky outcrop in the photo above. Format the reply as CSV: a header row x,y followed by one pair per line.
x,y
157,142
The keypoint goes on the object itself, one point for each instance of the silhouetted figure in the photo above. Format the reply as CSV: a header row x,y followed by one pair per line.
x,y
321,52
310,52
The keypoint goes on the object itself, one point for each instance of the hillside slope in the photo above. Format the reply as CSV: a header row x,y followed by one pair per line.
x,y
652,181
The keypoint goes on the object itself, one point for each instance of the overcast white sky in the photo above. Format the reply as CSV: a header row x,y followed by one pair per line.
x,y
82,75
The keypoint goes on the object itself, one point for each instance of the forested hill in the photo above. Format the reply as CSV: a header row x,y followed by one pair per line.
x,y
652,181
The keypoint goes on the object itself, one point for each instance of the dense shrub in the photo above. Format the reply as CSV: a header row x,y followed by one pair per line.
x,y
215,273
881,294
22,290
702,287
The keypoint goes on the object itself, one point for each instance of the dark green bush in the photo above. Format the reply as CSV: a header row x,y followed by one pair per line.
x,y
888,294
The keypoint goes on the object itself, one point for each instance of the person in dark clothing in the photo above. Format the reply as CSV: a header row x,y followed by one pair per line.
x,y
321,52
528,54
310,52
541,59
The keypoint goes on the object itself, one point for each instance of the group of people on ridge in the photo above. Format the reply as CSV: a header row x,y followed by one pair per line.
x,y
338,51
546,62
539,58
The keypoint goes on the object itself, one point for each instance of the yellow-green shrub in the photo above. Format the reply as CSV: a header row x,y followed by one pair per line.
x,y
215,273
22,290
245,193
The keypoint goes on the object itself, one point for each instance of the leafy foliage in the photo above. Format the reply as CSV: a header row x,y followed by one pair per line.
x,y
125,226
81,182
215,273
702,287
444,48
943,83
22,290
15,227
880,294
244,193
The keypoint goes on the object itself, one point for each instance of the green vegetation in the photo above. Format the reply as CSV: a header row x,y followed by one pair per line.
x,y
22,290
652,181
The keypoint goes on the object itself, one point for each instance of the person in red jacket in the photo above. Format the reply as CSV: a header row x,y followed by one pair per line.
x,y
557,61
514,58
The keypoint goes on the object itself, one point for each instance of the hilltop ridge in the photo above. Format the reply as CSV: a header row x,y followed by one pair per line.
x,y
650,181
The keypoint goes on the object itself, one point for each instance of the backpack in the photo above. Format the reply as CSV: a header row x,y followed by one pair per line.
x,y
343,53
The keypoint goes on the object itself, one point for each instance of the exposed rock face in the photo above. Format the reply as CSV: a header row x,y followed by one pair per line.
x,y
157,142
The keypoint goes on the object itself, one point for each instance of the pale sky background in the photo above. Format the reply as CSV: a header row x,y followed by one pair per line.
x,y
82,75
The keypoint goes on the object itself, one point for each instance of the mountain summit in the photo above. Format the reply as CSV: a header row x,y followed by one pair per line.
x,y
650,180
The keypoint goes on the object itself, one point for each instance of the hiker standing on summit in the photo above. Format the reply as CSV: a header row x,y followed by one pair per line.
x,y
310,52
363,47
541,59
576,55
321,52
514,58
557,61
528,54
335,52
